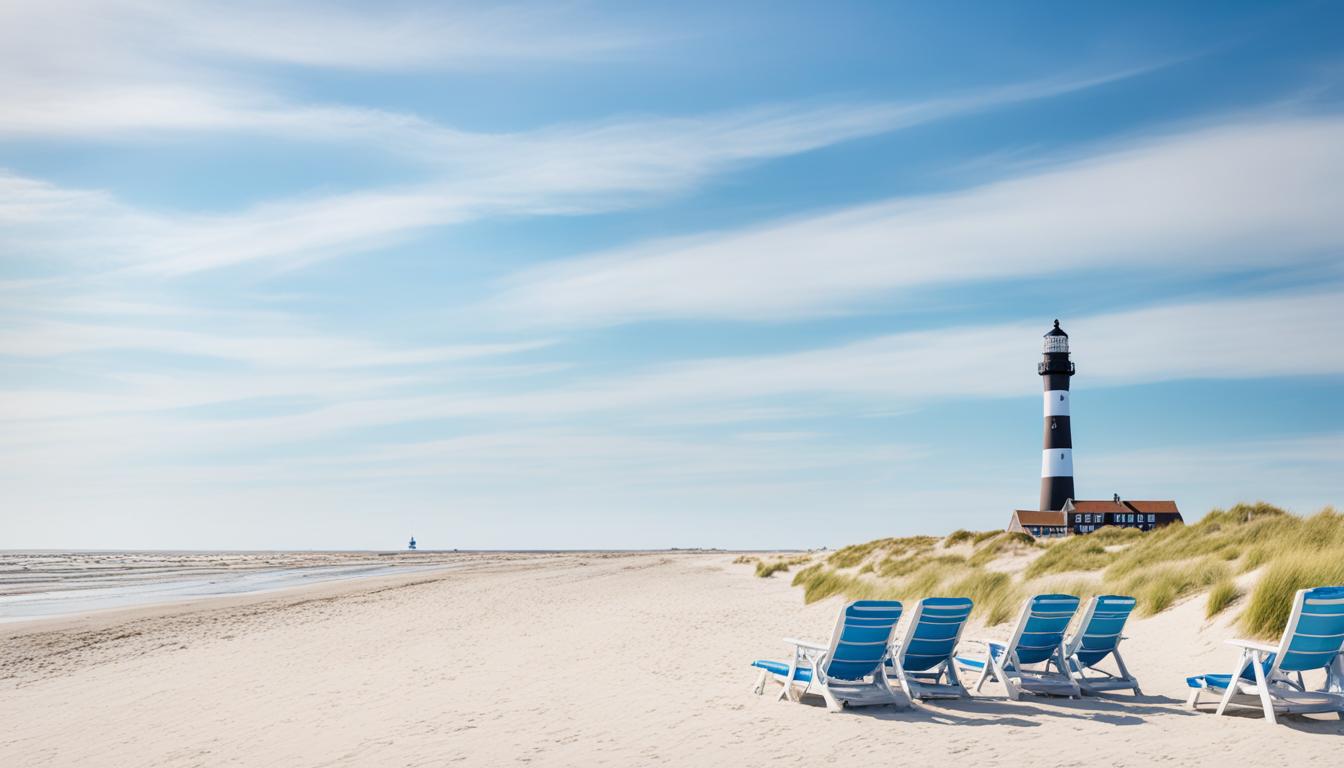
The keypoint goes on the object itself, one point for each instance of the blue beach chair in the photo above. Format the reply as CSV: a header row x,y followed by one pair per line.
x,y
1037,640
922,661
1270,676
1098,637
850,669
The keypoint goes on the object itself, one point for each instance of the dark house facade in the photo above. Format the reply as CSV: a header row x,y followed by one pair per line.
x,y
1086,516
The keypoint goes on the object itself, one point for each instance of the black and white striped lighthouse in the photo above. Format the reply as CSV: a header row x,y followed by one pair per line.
x,y
1057,454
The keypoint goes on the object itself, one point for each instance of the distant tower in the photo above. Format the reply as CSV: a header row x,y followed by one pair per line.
x,y
1057,455
412,544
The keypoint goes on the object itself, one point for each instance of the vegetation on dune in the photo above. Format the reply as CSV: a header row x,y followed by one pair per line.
x,y
1223,594
958,536
767,568
1159,568
1272,599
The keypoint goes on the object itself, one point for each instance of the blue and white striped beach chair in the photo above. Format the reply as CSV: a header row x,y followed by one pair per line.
x,y
1037,640
922,660
1270,676
850,669
1098,636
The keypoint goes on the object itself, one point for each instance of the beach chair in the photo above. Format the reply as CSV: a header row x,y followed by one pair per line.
x,y
922,660
848,670
1038,639
1270,676
1098,636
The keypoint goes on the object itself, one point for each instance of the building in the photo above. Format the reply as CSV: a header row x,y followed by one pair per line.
x,y
1060,514
1086,516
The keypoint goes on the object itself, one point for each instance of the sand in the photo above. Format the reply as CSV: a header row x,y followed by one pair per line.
x,y
624,660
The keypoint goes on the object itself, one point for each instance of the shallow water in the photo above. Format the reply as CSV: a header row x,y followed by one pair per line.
x,y
72,602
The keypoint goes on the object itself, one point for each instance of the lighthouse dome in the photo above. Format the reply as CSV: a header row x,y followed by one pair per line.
x,y
1056,340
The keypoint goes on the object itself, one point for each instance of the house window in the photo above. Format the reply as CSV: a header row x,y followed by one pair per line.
x,y
1150,517
1087,518
1077,518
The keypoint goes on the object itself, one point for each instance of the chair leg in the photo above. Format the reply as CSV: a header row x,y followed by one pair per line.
x,y
1014,692
1233,682
984,675
1191,703
832,704
759,690
950,670
1266,700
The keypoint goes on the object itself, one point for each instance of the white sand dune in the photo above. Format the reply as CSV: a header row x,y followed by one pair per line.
x,y
558,660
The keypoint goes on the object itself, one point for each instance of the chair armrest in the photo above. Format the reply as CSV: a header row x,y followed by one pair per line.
x,y
1254,646
805,644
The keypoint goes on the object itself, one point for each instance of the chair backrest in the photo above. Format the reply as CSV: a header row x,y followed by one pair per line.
x,y
862,634
934,631
1101,626
1315,631
1040,628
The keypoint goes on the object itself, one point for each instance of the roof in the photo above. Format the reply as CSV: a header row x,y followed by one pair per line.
x,y
1166,506
1037,517
1056,331
1103,505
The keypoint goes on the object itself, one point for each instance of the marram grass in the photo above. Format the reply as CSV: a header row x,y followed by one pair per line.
x,y
767,568
1223,594
1159,568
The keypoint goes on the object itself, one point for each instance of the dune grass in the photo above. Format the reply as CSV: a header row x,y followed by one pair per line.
x,y
1272,599
767,568
958,536
1159,568
1223,594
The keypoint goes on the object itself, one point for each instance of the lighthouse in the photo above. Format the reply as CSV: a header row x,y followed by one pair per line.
x,y
1055,369
1060,513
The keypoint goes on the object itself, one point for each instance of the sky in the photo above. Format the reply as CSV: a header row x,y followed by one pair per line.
x,y
642,275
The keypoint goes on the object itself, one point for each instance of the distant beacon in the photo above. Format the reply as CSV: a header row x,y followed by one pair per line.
x,y
412,544
1057,453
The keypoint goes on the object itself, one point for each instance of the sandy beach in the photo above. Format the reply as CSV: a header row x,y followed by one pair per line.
x,y
556,659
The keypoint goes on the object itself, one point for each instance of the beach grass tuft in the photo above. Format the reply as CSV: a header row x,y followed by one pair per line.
x,y
1272,599
767,568
1223,594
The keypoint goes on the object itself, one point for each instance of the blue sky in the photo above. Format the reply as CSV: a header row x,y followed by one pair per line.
x,y
635,275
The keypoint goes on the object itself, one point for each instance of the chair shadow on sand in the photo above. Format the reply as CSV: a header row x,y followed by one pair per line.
x,y
1032,713
1127,710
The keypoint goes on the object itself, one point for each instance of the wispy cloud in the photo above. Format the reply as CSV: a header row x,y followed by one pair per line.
x,y
1253,193
1293,335
572,169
